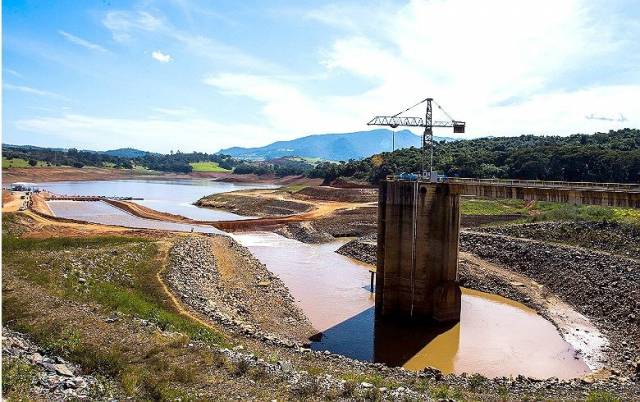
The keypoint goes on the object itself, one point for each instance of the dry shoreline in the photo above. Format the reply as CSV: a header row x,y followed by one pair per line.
x,y
331,222
53,174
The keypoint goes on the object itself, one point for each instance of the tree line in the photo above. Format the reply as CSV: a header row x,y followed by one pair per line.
x,y
600,157
172,162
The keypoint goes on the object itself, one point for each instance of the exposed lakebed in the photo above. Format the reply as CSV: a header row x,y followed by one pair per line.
x,y
495,337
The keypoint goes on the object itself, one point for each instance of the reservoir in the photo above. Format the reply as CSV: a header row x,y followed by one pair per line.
x,y
495,336
172,196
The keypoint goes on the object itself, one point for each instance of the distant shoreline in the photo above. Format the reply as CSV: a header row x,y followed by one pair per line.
x,y
51,174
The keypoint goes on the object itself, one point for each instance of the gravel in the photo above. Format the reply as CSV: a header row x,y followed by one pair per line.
x,y
601,286
253,302
612,237
304,232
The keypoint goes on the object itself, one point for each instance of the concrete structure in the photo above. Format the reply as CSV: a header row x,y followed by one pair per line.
x,y
418,231
578,193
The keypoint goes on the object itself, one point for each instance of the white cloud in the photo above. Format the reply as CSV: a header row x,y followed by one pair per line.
x,y
153,134
161,57
286,109
13,72
33,91
470,56
82,42
124,24
178,111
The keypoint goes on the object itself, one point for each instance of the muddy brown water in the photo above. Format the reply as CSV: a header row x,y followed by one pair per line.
x,y
495,336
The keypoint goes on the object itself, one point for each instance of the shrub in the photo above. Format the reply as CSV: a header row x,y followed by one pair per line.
x,y
17,376
602,396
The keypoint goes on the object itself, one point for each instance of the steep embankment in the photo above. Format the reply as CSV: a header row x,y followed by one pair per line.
x,y
221,280
597,284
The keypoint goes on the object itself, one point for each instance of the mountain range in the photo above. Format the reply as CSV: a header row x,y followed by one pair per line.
x,y
334,147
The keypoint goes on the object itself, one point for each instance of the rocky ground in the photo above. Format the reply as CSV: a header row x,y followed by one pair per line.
x,y
217,288
601,286
192,274
612,237
305,232
44,376
342,223
228,285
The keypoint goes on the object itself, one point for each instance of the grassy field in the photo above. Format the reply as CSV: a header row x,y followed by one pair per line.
x,y
19,163
64,292
207,167
549,211
492,207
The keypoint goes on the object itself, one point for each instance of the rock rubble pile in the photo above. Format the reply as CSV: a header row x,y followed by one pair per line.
x,y
52,377
253,302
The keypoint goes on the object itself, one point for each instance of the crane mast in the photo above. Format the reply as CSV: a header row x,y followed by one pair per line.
x,y
427,136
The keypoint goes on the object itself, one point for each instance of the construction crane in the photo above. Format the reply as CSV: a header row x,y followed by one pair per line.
x,y
427,137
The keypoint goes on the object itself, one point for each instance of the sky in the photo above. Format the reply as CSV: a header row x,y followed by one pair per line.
x,y
205,75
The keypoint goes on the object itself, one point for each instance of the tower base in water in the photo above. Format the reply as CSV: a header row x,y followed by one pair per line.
x,y
417,257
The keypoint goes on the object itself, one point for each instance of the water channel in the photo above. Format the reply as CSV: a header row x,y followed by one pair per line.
x,y
496,336
172,196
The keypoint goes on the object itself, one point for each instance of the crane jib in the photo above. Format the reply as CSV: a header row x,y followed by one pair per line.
x,y
427,136
392,121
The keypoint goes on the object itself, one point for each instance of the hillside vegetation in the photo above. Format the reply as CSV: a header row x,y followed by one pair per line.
x,y
207,167
601,157
332,147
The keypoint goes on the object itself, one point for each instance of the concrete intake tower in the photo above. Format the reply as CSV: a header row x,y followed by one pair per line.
x,y
417,256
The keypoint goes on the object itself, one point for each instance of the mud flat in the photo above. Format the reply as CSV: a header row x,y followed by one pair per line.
x,y
253,205
47,174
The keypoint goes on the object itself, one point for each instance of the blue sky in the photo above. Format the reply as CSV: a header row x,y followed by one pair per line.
x,y
198,75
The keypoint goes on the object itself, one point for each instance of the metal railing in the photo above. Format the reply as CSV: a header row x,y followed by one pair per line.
x,y
577,185
548,183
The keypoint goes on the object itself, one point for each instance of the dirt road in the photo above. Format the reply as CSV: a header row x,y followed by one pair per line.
x,y
11,201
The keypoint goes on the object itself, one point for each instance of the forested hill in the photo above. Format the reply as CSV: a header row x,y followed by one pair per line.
x,y
602,157
333,147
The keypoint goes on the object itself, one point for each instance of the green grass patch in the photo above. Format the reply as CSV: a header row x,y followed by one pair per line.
x,y
377,380
121,277
549,211
12,243
20,163
492,207
602,396
130,301
17,376
207,167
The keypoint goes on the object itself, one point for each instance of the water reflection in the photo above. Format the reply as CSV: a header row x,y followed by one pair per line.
x,y
106,214
495,336
172,196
